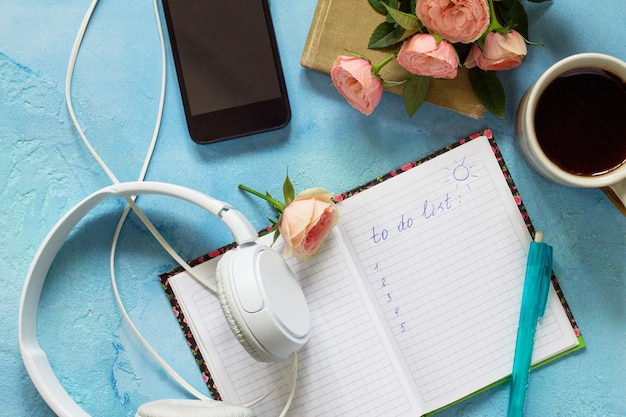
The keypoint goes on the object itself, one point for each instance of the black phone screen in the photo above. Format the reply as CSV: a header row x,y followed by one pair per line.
x,y
228,67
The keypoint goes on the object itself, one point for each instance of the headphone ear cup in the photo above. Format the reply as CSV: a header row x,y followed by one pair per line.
x,y
232,314
191,408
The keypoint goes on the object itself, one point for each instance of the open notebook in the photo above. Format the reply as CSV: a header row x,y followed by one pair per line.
x,y
414,299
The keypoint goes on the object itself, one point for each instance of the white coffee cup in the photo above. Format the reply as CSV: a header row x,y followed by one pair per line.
x,y
613,182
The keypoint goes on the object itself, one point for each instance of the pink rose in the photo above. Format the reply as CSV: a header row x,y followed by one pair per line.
x,y
455,20
306,222
422,55
353,78
500,52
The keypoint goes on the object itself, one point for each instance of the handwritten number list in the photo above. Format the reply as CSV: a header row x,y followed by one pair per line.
x,y
451,219
390,305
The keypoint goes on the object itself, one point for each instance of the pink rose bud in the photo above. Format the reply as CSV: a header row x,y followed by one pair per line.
x,y
353,78
422,55
306,222
500,52
455,20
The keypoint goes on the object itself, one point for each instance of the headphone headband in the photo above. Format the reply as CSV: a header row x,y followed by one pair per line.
x,y
34,357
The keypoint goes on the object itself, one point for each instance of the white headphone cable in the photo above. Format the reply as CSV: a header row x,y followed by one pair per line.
x,y
141,215
100,161
131,203
293,372
294,379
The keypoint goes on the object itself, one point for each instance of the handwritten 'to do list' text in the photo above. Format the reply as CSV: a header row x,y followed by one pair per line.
x,y
459,175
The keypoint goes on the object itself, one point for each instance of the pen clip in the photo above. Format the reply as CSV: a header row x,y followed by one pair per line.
x,y
545,260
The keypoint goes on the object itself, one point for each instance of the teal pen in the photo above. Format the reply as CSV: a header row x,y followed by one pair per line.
x,y
534,299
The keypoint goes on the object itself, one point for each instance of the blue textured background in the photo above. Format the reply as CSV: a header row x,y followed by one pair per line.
x,y
45,170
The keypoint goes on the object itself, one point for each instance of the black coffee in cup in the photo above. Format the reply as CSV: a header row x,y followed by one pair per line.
x,y
580,121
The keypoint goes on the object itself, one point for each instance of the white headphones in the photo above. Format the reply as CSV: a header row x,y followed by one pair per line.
x,y
260,297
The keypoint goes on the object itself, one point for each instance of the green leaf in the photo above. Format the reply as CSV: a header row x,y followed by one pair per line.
x,y
489,90
288,191
415,91
276,231
514,16
408,6
407,21
408,33
378,6
385,35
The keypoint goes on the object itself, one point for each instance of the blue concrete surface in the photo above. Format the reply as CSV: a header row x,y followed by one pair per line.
x,y
45,170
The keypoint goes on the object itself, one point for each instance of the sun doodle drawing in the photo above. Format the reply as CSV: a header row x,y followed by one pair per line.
x,y
461,175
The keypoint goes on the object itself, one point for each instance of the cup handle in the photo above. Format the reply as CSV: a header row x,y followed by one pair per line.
x,y
617,194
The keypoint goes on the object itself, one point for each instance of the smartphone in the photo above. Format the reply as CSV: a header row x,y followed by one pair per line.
x,y
228,67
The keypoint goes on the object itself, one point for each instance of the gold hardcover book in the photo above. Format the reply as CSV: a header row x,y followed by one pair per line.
x,y
346,25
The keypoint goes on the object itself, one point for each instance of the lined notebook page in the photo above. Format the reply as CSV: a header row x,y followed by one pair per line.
x,y
443,251
414,299
343,368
